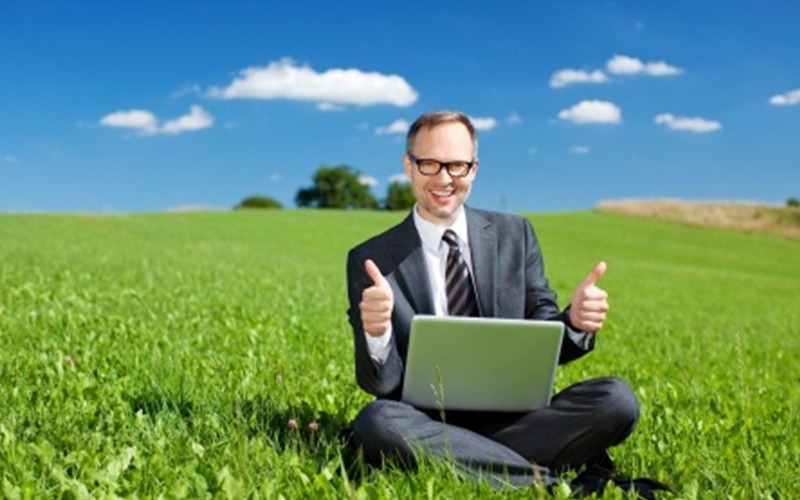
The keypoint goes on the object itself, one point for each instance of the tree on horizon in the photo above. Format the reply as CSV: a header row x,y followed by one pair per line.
x,y
258,201
399,196
339,187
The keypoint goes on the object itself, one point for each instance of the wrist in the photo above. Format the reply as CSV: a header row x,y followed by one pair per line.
x,y
568,321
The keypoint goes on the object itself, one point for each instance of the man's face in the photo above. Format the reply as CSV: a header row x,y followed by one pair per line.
x,y
441,196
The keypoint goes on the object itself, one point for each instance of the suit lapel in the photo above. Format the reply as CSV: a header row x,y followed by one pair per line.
x,y
483,248
412,272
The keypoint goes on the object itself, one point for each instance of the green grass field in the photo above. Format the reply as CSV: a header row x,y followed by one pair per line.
x,y
163,355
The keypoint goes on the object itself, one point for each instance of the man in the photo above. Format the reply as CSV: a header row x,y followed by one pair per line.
x,y
445,258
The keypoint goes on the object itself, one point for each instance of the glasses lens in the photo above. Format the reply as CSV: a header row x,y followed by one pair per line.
x,y
428,167
458,168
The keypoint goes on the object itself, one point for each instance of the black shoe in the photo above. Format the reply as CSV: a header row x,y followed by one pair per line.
x,y
594,479
644,487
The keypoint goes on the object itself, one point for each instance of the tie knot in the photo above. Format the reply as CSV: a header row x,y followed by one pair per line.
x,y
450,238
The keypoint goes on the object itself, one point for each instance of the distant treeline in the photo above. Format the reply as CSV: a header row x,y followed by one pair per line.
x,y
340,187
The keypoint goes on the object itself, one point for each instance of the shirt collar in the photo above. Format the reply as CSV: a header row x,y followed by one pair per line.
x,y
431,234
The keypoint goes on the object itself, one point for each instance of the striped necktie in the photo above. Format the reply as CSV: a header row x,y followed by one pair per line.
x,y
461,300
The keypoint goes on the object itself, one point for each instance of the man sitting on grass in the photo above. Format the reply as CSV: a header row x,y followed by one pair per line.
x,y
405,271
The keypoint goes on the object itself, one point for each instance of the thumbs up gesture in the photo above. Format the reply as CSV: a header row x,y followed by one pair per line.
x,y
377,302
589,303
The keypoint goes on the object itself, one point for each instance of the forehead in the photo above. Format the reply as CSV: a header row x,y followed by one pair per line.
x,y
448,141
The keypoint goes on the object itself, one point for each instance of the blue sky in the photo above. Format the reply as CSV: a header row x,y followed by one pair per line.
x,y
147,106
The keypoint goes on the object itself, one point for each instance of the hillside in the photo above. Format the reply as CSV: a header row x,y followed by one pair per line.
x,y
783,221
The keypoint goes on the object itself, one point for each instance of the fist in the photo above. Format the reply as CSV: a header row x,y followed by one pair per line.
x,y
589,303
377,302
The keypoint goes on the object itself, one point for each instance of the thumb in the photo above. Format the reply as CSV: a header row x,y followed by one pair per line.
x,y
375,273
597,273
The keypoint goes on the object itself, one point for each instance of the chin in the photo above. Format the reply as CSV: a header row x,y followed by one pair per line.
x,y
444,213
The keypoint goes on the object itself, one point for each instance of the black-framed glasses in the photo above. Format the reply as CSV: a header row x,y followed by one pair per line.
x,y
431,167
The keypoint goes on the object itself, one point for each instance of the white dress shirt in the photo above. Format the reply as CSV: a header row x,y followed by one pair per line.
x,y
435,251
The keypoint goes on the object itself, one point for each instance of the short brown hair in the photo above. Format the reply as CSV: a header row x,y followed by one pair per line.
x,y
432,119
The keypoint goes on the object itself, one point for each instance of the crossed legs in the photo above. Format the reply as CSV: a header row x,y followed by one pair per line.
x,y
581,422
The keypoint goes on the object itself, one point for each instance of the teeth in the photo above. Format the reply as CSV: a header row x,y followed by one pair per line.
x,y
442,193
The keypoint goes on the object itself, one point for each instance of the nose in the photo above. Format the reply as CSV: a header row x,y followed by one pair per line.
x,y
444,176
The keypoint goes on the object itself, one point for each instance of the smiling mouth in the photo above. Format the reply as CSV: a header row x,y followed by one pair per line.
x,y
443,194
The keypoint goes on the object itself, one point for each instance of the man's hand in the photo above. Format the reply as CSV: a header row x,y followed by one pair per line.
x,y
589,303
377,302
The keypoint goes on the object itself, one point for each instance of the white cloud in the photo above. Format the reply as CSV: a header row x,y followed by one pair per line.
x,y
513,118
483,124
9,159
698,125
285,79
141,120
660,68
567,77
578,150
617,65
786,99
186,90
368,180
396,127
197,119
146,123
586,112
398,178
329,106
626,65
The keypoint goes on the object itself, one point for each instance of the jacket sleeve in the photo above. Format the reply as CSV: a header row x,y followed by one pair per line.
x,y
380,379
541,302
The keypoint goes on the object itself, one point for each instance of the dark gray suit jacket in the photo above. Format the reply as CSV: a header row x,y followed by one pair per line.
x,y
508,273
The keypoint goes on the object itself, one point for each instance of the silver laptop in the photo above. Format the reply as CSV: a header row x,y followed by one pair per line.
x,y
481,364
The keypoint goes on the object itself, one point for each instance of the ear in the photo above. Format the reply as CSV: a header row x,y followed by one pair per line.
x,y
408,166
475,168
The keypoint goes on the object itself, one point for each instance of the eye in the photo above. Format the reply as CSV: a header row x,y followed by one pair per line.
x,y
458,168
429,165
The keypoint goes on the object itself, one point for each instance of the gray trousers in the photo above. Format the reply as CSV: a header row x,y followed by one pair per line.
x,y
581,422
